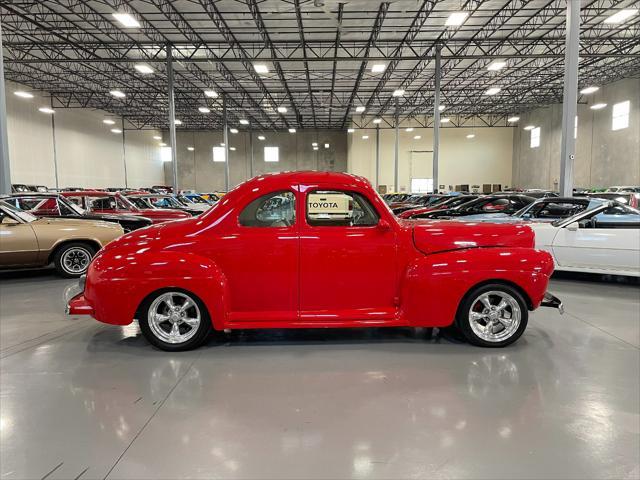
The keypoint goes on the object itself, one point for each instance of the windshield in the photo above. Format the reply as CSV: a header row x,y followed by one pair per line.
x,y
22,215
159,201
71,206
197,199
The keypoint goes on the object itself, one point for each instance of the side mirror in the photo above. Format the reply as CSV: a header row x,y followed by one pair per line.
x,y
384,225
573,227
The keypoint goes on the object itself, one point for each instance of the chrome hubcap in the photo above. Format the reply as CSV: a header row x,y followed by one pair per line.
x,y
495,316
174,317
76,260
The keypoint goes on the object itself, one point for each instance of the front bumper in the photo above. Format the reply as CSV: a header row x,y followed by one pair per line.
x,y
552,301
75,302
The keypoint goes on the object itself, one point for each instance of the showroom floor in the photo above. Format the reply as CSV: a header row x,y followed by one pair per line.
x,y
86,400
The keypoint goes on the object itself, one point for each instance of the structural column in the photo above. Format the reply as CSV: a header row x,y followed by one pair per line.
x,y
225,133
172,120
124,155
396,163
569,98
377,156
436,122
5,167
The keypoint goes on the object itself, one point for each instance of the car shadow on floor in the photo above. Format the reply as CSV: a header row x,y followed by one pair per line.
x,y
596,278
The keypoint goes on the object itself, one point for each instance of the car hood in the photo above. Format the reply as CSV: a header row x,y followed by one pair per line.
x,y
75,223
431,236
156,235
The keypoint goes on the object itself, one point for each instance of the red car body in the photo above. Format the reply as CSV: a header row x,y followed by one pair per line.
x,y
120,205
395,273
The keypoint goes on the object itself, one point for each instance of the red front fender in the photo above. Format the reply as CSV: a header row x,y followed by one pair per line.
x,y
435,284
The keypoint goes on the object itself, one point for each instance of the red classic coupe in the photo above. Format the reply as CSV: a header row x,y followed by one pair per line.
x,y
310,250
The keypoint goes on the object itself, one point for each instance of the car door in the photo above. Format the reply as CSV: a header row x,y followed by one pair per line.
x,y
18,242
259,255
609,240
348,257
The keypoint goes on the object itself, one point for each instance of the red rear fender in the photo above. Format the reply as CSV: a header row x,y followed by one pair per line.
x,y
121,282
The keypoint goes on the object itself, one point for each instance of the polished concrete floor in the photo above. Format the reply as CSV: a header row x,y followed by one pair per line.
x,y
85,400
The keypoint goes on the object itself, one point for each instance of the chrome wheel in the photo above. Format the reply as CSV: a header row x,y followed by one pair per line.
x,y
174,317
76,260
495,316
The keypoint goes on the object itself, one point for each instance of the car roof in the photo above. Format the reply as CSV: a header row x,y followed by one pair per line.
x,y
88,193
310,176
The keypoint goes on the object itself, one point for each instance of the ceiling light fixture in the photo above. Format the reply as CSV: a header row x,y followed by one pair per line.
x,y
471,135
496,65
314,144
378,67
365,137
588,90
261,68
204,110
441,108
162,144
445,120
292,130
360,109
233,149
398,93
126,20
598,106
157,137
493,91
417,137
261,137
513,119
46,110
211,93
177,122
408,129
108,121
621,16
529,127
117,93
143,68
377,120
233,130
23,94
326,145
456,19
282,109
116,130
350,130
191,149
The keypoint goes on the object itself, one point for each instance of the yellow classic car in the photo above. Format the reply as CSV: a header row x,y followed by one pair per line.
x,y
70,244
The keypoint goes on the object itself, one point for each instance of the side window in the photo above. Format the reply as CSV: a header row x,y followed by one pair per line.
x,y
616,216
277,209
337,208
104,203
498,205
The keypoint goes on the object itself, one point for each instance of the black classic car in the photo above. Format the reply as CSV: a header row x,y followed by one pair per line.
x,y
486,205
54,205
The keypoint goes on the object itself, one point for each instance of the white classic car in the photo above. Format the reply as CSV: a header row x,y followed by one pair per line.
x,y
604,240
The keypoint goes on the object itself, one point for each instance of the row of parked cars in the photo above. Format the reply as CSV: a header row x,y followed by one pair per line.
x,y
67,227
593,233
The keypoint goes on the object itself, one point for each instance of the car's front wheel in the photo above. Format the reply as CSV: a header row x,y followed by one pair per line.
x,y
174,320
493,315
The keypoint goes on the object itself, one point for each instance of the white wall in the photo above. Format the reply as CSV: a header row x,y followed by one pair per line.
x,y
603,157
487,158
87,153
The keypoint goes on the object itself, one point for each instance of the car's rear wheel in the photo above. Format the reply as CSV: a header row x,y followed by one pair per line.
x,y
72,259
174,320
493,315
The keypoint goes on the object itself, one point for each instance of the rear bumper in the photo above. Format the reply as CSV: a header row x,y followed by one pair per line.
x,y
552,301
75,302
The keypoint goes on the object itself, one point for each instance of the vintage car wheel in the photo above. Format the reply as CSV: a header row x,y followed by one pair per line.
x,y
73,259
174,320
493,315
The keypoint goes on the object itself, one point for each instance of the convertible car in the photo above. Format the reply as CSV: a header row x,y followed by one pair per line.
x,y
315,250
603,240
493,204
28,241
